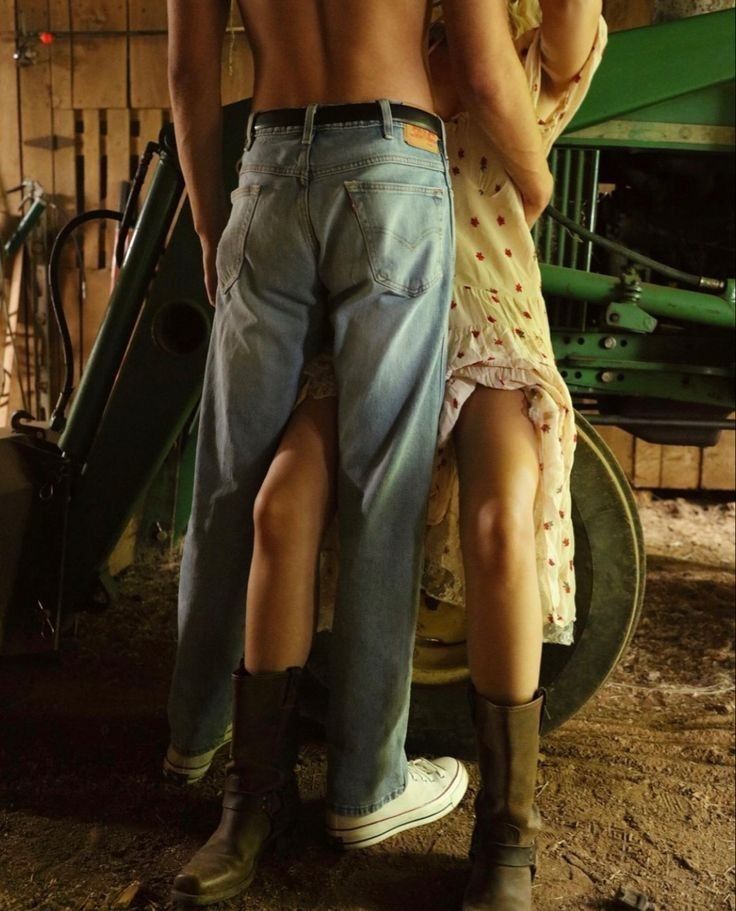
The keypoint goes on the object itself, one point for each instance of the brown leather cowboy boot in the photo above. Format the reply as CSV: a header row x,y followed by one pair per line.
x,y
506,817
261,800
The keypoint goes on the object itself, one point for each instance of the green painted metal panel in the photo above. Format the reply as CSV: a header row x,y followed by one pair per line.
x,y
648,66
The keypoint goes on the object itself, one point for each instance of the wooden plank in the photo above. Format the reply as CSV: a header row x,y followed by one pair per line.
x,y
147,14
7,15
61,54
148,72
680,467
8,379
647,464
10,159
621,444
718,470
36,123
148,78
100,65
100,71
65,167
117,158
622,14
95,305
92,185
99,15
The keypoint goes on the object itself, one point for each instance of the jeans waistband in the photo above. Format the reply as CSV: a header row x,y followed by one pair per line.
x,y
382,111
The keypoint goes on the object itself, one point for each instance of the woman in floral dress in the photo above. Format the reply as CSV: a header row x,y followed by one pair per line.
x,y
499,534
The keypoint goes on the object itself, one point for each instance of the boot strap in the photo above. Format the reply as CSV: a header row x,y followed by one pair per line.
x,y
510,855
269,802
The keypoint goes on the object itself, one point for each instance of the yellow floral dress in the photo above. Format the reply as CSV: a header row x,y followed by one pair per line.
x,y
499,337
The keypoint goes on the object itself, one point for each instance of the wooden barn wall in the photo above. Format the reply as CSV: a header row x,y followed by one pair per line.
x,y
78,116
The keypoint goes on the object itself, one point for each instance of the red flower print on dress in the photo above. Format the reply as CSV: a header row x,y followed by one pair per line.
x,y
496,300
518,286
483,163
548,525
550,618
497,341
527,314
461,354
455,403
453,304
551,562
461,153
562,513
474,222
545,428
479,256
574,438
520,333
497,188
490,358
566,587
565,542
476,333
456,170
508,252
501,221
490,319
577,78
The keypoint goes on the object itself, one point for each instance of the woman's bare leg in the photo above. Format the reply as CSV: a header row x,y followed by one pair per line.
x,y
292,512
499,473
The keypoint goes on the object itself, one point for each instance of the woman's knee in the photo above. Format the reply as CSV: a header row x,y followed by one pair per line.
x,y
498,534
278,514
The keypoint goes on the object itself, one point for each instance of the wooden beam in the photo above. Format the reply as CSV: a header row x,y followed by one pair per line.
x,y
10,159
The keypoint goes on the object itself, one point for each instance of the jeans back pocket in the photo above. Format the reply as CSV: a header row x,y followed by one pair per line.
x,y
403,227
231,248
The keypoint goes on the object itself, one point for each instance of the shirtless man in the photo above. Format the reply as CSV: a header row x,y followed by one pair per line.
x,y
340,234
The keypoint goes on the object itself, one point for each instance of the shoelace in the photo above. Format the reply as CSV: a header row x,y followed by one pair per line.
x,y
424,770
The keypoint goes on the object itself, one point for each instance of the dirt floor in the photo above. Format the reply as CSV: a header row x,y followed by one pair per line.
x,y
637,790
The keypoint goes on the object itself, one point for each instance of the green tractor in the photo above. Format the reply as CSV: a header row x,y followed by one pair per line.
x,y
643,339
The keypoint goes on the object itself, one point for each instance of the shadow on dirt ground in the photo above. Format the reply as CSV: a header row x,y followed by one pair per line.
x,y
636,790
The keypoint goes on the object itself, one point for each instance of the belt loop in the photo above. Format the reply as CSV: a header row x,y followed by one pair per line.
x,y
250,133
308,133
444,136
388,120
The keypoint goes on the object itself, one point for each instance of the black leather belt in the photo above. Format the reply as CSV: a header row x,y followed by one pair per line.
x,y
347,113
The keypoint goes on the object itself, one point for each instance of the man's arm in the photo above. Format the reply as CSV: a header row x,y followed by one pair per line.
x,y
569,28
493,87
196,31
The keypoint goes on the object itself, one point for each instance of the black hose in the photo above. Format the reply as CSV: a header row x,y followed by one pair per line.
x,y
57,415
684,278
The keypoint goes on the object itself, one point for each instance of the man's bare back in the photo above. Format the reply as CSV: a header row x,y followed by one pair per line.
x,y
334,51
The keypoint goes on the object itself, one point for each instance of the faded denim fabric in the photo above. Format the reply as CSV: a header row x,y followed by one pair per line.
x,y
342,232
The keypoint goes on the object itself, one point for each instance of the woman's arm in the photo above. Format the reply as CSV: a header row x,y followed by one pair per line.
x,y
493,88
196,32
568,31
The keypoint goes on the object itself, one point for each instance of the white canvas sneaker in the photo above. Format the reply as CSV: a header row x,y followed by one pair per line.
x,y
433,789
188,769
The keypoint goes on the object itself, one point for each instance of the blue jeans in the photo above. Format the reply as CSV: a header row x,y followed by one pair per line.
x,y
342,232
